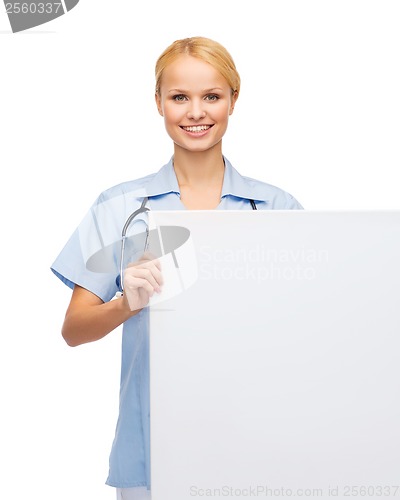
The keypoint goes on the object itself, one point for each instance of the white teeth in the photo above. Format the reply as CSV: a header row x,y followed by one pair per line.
x,y
199,128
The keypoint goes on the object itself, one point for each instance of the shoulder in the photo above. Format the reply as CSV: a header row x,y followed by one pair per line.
x,y
267,196
132,189
271,196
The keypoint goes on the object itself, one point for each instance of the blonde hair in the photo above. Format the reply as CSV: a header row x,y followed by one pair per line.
x,y
208,50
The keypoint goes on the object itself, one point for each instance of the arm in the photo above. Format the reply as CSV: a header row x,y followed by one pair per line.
x,y
88,318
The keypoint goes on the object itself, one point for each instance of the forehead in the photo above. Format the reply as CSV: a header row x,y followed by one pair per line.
x,y
191,72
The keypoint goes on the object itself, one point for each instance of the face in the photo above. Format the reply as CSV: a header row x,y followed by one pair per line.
x,y
195,101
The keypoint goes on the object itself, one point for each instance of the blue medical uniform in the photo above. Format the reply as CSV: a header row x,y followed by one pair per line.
x,y
91,259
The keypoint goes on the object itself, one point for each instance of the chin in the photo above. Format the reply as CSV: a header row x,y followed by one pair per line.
x,y
197,148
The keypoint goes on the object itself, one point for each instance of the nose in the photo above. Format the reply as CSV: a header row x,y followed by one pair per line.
x,y
196,110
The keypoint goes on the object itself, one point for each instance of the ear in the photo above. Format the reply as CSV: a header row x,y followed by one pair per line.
x,y
233,101
158,102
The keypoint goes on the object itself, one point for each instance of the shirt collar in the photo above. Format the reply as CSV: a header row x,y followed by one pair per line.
x,y
165,181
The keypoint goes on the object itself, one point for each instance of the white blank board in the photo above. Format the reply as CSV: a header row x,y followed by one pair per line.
x,y
277,371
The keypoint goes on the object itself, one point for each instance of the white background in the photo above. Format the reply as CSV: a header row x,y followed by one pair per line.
x,y
318,115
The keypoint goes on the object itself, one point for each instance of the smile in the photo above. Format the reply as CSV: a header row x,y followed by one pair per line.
x,y
197,128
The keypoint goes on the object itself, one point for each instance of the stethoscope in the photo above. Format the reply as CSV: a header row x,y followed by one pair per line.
x,y
142,209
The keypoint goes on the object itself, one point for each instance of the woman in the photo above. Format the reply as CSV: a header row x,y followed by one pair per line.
x,y
197,86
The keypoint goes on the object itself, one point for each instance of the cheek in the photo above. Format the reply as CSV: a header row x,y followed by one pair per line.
x,y
223,111
171,113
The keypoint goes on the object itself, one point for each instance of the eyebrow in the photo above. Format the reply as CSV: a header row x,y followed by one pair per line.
x,y
186,91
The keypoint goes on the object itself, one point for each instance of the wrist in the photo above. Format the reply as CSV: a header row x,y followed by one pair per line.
x,y
124,306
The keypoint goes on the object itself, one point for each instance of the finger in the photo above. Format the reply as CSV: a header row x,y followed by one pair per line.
x,y
137,300
153,266
146,257
152,275
134,285
145,260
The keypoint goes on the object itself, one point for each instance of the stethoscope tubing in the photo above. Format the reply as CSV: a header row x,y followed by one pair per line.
x,y
140,210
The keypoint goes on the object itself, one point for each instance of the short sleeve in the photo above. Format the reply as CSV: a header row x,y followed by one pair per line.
x,y
292,203
91,255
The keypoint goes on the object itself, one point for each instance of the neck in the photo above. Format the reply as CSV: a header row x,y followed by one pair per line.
x,y
199,168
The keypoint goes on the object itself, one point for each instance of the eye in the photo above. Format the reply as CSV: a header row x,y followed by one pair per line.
x,y
179,98
212,97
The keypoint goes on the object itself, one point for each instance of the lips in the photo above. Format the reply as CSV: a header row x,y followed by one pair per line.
x,y
195,129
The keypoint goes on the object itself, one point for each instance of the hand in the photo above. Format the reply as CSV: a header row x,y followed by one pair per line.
x,y
141,279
